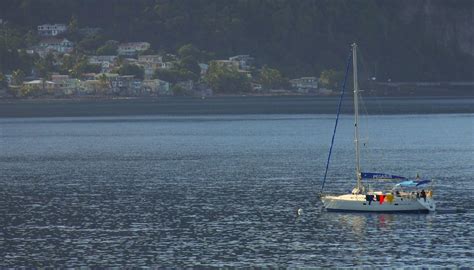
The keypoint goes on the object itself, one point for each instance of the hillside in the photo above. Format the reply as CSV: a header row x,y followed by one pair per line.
x,y
400,40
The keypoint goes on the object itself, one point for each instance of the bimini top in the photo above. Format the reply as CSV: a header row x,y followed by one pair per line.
x,y
413,183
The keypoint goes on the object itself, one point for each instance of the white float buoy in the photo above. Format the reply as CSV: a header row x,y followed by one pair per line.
x,y
299,212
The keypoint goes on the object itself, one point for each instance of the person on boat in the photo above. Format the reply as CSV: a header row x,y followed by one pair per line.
x,y
423,194
430,193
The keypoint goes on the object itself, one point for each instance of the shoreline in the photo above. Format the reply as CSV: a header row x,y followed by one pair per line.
x,y
229,105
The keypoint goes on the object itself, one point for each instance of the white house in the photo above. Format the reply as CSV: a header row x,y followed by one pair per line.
x,y
107,62
39,84
239,63
150,64
132,48
64,84
51,30
57,45
227,64
245,61
150,59
305,84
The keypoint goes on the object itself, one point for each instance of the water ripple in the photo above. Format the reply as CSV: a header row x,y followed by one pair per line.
x,y
220,194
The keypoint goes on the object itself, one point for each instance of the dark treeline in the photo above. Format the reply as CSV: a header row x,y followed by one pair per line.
x,y
298,37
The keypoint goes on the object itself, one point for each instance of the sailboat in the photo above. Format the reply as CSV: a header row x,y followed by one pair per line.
x,y
409,195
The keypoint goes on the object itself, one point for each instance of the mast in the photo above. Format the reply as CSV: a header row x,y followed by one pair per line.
x,y
356,116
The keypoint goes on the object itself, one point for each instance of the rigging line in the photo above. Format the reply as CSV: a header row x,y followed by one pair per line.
x,y
337,119
365,137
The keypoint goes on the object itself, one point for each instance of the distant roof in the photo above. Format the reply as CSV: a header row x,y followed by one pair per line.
x,y
55,24
38,82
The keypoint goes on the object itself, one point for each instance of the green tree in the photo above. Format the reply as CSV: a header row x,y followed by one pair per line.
x,y
73,24
130,69
109,48
26,61
189,50
3,81
45,66
189,64
178,73
11,40
73,29
31,38
148,51
330,78
82,66
103,83
27,90
67,63
18,77
271,78
91,44
167,75
227,80
178,90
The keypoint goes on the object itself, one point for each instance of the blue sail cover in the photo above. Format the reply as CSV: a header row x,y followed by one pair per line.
x,y
368,175
422,182
412,183
408,183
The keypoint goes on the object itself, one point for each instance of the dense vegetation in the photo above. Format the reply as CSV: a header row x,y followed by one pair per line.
x,y
299,38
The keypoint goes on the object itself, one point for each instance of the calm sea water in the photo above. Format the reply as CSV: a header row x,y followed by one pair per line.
x,y
223,191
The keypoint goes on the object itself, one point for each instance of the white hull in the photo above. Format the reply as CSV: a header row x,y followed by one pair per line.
x,y
358,203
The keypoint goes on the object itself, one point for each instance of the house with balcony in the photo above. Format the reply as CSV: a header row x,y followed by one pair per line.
x,y
230,64
98,84
132,48
305,84
150,64
150,59
65,85
106,62
126,85
54,45
51,30
234,64
41,87
245,61
156,88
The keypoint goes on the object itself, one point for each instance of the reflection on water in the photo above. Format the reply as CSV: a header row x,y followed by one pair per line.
x,y
223,191
355,223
